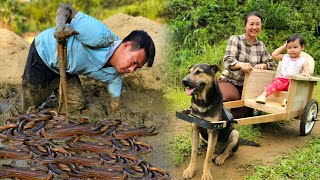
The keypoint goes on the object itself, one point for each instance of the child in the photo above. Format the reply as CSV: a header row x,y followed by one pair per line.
x,y
292,64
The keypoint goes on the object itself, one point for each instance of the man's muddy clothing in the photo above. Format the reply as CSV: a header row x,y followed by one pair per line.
x,y
39,82
87,54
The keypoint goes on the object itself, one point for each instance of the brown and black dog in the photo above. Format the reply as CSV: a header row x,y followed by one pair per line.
x,y
207,103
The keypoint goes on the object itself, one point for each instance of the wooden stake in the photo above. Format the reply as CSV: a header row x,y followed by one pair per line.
x,y
62,57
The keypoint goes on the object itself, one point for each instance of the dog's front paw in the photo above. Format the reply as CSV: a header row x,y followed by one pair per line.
x,y
206,176
188,173
220,159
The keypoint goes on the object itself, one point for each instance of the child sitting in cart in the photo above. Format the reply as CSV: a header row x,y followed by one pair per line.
x,y
292,64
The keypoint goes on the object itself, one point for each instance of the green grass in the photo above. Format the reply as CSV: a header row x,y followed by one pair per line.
x,y
176,99
316,92
302,164
152,9
180,147
249,133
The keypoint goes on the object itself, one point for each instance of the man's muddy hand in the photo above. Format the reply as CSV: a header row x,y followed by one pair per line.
x,y
115,102
62,33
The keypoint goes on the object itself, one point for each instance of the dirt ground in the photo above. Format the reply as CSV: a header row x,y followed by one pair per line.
x,y
143,104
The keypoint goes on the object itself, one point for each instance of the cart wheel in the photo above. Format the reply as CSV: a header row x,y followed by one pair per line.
x,y
309,117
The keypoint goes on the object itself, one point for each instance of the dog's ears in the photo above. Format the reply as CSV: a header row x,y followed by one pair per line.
x,y
190,67
215,68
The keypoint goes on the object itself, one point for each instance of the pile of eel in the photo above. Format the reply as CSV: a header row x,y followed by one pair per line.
x,y
45,146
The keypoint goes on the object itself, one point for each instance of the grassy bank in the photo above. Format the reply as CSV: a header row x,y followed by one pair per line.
x,y
302,164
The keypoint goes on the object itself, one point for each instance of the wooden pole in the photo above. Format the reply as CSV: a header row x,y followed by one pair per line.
x,y
62,57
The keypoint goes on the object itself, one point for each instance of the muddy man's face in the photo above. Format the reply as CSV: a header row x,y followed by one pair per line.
x,y
129,60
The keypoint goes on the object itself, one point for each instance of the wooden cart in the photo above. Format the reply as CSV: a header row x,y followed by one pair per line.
x,y
299,102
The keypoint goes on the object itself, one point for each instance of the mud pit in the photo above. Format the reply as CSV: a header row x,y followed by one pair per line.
x,y
143,105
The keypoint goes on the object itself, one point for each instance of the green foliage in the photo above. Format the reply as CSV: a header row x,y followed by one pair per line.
x,y
303,164
316,93
275,14
38,15
196,23
152,9
7,10
114,4
181,60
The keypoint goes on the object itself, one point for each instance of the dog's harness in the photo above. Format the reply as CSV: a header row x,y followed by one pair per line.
x,y
224,133
226,121
227,116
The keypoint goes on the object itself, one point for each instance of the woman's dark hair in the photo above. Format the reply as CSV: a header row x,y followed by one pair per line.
x,y
254,13
141,40
294,37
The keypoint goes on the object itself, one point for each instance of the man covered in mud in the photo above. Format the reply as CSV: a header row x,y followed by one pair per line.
x,y
92,50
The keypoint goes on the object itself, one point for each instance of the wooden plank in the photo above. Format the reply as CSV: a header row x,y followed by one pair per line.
x,y
269,107
261,119
311,87
297,105
246,85
233,104
294,114
291,93
304,78
299,94
278,96
255,82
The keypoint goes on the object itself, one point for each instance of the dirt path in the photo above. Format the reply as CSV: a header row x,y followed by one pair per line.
x,y
241,164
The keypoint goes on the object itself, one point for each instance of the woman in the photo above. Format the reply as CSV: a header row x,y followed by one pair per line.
x,y
243,53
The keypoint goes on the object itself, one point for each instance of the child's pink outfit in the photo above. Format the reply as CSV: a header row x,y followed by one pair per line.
x,y
278,84
288,67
